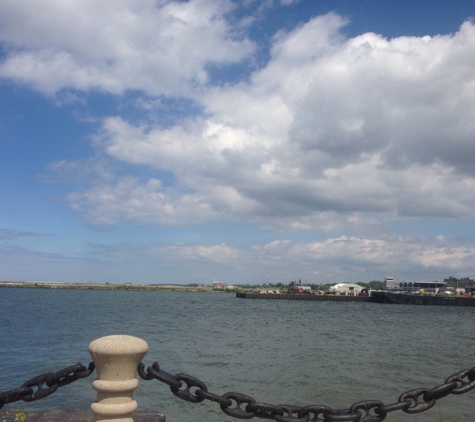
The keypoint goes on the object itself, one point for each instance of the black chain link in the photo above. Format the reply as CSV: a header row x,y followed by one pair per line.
x,y
241,406
53,381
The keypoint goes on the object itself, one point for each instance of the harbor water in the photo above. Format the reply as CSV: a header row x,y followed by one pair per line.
x,y
280,352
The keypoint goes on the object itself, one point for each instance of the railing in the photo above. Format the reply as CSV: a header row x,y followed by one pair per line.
x,y
117,359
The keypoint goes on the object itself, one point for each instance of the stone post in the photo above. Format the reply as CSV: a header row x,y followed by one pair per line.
x,y
116,359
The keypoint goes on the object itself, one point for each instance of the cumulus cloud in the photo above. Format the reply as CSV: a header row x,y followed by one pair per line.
x,y
331,129
330,132
147,203
159,47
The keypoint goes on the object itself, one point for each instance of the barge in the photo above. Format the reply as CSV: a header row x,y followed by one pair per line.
x,y
304,296
415,299
375,297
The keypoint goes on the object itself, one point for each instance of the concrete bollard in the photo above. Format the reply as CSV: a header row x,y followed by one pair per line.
x,y
116,359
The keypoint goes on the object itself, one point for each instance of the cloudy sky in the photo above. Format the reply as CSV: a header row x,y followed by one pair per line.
x,y
245,141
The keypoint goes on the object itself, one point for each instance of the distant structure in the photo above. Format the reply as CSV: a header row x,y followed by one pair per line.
x,y
410,287
470,290
347,288
427,286
466,280
219,285
390,284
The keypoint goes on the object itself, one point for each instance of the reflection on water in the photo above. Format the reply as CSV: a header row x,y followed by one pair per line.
x,y
295,352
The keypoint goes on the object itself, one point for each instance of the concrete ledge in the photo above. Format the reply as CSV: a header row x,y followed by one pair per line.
x,y
8,415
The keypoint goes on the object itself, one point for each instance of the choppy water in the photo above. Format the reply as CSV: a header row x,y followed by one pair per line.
x,y
293,352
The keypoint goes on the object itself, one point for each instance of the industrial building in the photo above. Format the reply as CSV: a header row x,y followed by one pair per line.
x,y
412,286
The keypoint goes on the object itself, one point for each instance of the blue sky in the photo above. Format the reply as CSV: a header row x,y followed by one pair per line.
x,y
240,141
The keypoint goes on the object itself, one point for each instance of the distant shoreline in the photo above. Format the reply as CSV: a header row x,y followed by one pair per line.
x,y
126,287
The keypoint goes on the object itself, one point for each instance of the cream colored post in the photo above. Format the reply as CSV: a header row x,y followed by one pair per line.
x,y
116,359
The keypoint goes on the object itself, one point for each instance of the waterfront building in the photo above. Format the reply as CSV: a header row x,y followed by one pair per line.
x,y
347,288
390,284
416,286
413,286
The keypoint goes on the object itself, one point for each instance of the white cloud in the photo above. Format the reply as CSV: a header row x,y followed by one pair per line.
x,y
330,132
159,47
336,259
146,203
287,2
360,259
207,253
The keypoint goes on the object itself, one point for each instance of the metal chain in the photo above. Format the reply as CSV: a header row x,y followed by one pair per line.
x,y
241,406
53,381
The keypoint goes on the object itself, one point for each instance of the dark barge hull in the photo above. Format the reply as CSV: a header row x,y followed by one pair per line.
x,y
376,297
282,296
408,299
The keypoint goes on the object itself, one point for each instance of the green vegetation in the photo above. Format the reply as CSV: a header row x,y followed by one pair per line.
x,y
460,283
373,285
122,287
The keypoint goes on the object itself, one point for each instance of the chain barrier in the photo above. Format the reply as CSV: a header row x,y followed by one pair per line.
x,y
53,381
241,406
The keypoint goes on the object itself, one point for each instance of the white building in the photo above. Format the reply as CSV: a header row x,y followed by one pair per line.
x,y
390,283
347,288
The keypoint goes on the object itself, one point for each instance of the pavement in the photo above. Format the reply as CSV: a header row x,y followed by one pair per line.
x,y
9,415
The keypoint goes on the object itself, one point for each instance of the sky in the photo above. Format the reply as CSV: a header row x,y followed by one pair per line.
x,y
243,141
